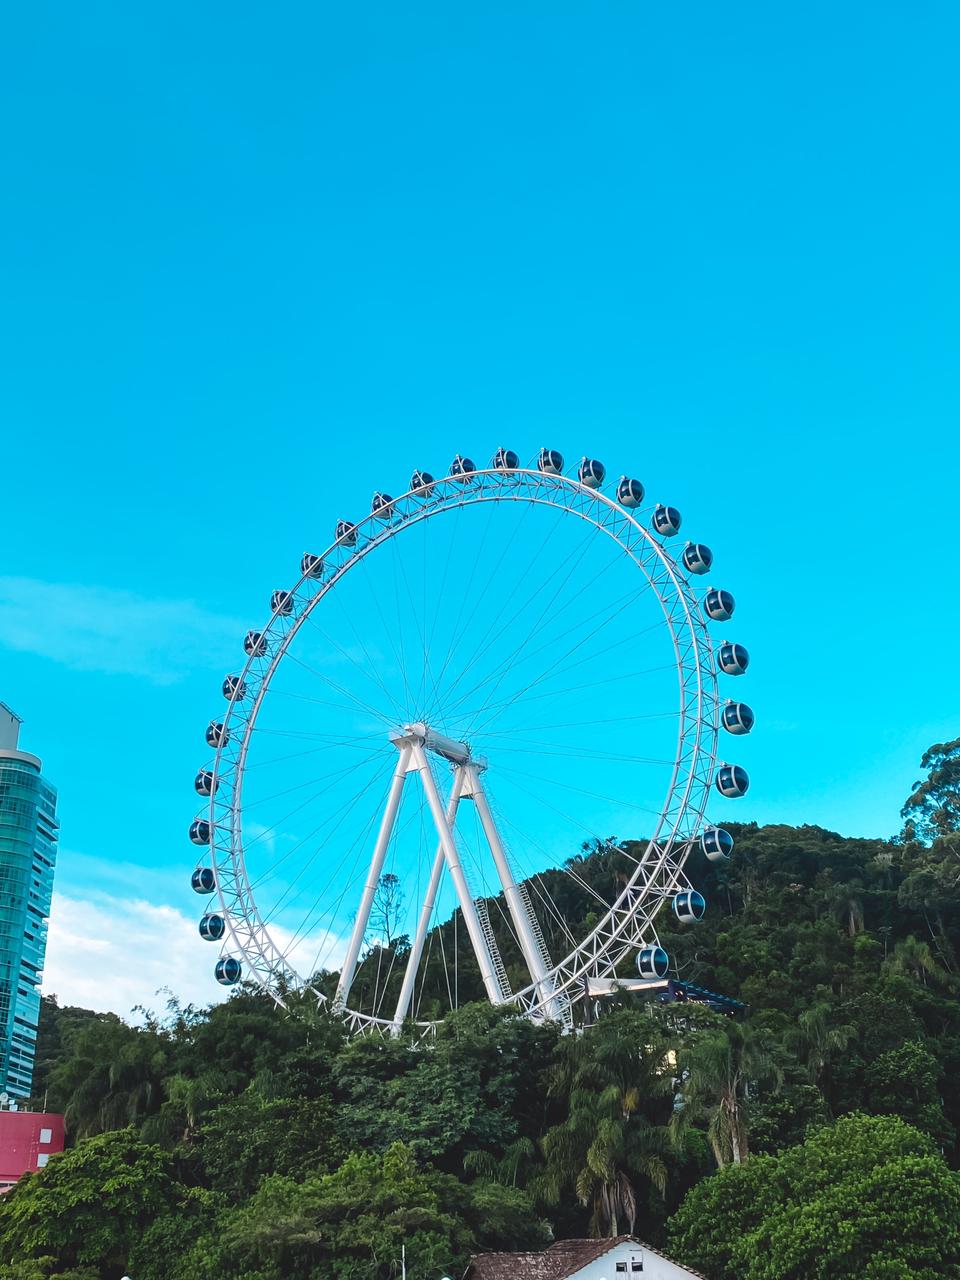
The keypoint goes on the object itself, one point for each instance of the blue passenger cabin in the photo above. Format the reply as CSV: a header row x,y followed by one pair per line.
x,y
737,718
203,880
732,781
716,843
227,971
697,558
733,659
629,492
719,605
666,521
652,962
212,927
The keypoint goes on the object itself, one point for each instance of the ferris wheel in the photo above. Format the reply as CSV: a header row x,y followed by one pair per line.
x,y
451,707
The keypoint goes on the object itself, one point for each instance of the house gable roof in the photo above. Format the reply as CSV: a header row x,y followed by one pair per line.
x,y
561,1260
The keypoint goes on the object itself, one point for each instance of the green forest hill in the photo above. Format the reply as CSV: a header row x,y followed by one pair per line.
x,y
816,1137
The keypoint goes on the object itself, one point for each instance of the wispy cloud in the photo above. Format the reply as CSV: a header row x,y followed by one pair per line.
x,y
113,953
92,628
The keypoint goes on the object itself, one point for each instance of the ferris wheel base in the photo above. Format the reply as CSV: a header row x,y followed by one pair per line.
x,y
666,990
596,988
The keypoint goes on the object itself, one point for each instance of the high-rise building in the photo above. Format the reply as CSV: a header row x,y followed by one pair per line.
x,y
28,855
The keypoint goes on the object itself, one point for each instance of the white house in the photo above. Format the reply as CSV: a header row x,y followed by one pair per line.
x,y
622,1258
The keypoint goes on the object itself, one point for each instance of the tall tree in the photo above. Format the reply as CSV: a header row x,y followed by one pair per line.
x,y
819,1036
113,1077
719,1064
933,807
612,1134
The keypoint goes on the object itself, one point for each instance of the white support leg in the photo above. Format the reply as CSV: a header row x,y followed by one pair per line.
x,y
519,910
423,924
467,904
373,879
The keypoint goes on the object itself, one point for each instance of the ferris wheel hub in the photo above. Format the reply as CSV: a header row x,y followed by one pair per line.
x,y
438,743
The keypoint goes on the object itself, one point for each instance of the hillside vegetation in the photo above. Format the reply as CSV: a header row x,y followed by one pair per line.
x,y
816,1137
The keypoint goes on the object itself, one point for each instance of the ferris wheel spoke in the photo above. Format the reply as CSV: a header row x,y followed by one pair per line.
x,y
419,623
571,563
617,607
557,668
442,588
581,688
358,703
479,596
480,725
482,594
272,831
305,735
249,844
580,724
355,848
520,651
465,597
630,637
336,775
511,776
302,699
393,633
369,669
261,765
564,751
492,635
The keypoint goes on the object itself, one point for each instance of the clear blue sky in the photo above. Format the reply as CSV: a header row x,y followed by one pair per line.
x,y
257,264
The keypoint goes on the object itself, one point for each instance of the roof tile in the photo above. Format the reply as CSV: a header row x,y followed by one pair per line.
x,y
563,1259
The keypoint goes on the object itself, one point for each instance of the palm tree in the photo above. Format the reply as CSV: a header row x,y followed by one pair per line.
x,y
188,1098
915,959
611,1077
717,1071
846,901
507,1169
113,1078
817,1041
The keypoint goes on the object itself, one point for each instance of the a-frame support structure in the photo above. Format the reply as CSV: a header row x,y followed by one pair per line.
x,y
416,745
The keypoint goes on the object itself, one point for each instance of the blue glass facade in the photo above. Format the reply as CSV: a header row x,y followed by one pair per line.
x,y
28,853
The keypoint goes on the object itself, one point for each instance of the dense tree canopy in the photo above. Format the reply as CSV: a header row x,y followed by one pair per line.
x,y
817,1136
90,1204
867,1196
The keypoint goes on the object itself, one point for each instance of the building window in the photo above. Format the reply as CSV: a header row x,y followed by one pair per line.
x,y
46,1135
621,1266
42,1159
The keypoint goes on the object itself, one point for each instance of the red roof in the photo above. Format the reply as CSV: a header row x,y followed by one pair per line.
x,y
563,1259
27,1139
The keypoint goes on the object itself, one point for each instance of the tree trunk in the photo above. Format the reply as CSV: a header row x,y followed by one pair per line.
x,y
735,1141
737,1136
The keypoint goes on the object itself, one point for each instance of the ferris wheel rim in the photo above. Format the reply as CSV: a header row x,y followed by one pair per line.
x,y
617,932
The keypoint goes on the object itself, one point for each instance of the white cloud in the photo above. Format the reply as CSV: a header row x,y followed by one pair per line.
x,y
111,953
109,630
